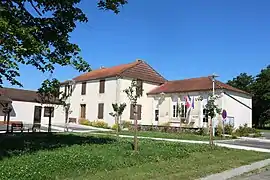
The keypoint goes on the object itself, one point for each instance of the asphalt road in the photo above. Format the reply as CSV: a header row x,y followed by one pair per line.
x,y
249,143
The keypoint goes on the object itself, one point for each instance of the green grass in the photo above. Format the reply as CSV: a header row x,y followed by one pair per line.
x,y
73,156
157,134
264,130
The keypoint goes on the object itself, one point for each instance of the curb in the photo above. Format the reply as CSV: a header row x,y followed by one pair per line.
x,y
237,171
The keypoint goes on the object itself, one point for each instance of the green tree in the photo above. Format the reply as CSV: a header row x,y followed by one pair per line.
x,y
118,111
42,38
261,99
211,111
134,92
242,81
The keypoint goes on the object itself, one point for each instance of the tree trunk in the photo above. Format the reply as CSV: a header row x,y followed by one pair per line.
x,y
211,132
8,119
50,120
117,126
136,130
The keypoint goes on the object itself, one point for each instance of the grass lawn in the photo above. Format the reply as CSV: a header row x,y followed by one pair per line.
x,y
72,156
157,134
264,130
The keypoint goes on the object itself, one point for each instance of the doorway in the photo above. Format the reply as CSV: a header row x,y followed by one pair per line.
x,y
37,117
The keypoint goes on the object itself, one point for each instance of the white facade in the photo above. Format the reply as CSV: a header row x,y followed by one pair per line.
x,y
24,112
114,93
238,113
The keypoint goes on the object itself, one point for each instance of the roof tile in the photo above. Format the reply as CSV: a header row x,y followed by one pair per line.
x,y
191,85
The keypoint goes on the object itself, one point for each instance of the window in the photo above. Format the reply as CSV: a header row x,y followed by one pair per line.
x,y
83,88
102,86
183,110
132,112
156,114
100,110
175,112
139,87
205,117
68,90
83,110
48,111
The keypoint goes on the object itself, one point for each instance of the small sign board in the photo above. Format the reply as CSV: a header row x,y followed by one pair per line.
x,y
224,114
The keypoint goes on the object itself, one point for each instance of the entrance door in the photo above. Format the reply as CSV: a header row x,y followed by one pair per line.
x,y
37,117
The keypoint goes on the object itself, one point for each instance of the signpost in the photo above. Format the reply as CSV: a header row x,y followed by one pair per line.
x,y
224,116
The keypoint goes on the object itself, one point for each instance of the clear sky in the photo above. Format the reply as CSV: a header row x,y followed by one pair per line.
x,y
180,39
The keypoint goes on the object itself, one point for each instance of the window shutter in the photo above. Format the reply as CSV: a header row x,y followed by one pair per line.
x,y
102,86
83,110
131,112
100,110
83,88
139,112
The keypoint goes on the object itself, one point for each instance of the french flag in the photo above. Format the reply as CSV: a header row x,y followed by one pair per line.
x,y
189,102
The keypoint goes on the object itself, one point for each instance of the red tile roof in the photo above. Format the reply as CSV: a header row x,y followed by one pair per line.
x,y
19,94
191,85
138,69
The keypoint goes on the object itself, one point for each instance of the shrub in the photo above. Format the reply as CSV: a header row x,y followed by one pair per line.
x,y
202,131
100,124
245,130
126,124
219,130
85,122
114,127
228,129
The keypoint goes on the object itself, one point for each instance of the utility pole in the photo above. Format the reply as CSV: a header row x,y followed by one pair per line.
x,y
211,120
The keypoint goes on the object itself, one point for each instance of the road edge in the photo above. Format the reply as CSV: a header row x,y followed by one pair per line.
x,y
238,171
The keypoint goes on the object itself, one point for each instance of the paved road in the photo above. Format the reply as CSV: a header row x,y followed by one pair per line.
x,y
249,143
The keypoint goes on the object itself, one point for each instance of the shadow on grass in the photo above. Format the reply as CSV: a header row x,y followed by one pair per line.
x,y
18,144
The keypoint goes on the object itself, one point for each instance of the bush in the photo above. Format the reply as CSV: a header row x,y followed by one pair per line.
x,y
219,131
85,122
245,130
202,131
100,124
114,127
126,124
228,129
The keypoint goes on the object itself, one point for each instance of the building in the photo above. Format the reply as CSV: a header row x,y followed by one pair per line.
x,y
92,95
27,108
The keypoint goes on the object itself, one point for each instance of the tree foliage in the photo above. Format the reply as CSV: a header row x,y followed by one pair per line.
x,y
118,111
242,81
259,87
37,33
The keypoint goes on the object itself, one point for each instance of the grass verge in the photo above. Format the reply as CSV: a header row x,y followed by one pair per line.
x,y
69,156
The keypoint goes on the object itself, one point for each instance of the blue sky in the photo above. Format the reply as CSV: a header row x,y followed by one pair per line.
x,y
180,39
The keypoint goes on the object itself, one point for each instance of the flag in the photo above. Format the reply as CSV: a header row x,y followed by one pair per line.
x,y
192,104
187,100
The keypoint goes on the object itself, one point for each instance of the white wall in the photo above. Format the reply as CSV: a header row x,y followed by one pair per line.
x,y
24,111
92,98
147,115
242,115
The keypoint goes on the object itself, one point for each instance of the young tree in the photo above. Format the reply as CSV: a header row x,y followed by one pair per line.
x,y
49,94
37,33
118,111
134,92
211,111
